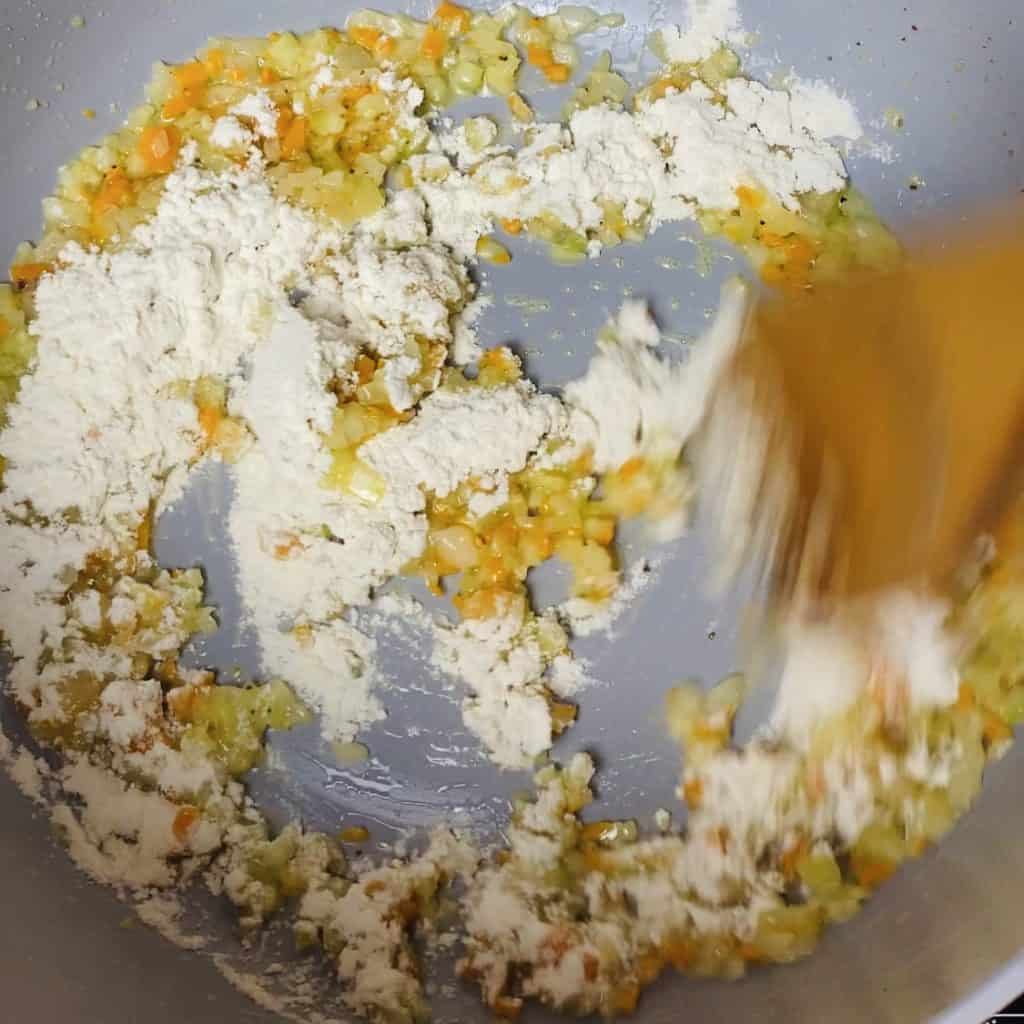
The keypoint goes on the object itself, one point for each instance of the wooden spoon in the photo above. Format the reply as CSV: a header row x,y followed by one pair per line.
x,y
893,408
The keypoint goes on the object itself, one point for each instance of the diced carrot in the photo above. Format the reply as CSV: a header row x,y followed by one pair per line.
x,y
625,998
354,834
364,36
158,146
630,468
659,88
493,251
26,273
693,793
458,17
268,76
539,56
184,821
520,108
601,529
482,604
116,188
434,43
5,328
189,97
189,75
183,701
791,857
562,716
799,250
557,73
365,368
214,62
749,196
352,94
174,107
496,357
513,225
596,859
294,140
994,727
965,699
870,871
678,952
209,420
535,543
506,534
507,1007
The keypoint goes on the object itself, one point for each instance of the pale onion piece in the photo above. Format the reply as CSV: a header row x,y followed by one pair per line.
x,y
391,24
501,77
350,753
456,545
466,77
520,108
481,132
534,35
436,90
684,706
365,483
576,19
372,105
726,695
565,53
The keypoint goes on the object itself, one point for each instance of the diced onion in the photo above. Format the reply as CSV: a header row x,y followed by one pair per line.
x,y
466,77
577,19
456,545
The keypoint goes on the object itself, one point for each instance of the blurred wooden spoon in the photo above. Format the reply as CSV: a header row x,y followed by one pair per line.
x,y
891,410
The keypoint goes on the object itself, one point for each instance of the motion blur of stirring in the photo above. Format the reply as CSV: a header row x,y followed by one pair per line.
x,y
866,433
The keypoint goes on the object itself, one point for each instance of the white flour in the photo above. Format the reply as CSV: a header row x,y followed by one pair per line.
x,y
502,661
296,579
229,133
585,618
259,109
675,154
829,665
709,25
483,433
104,424
634,402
